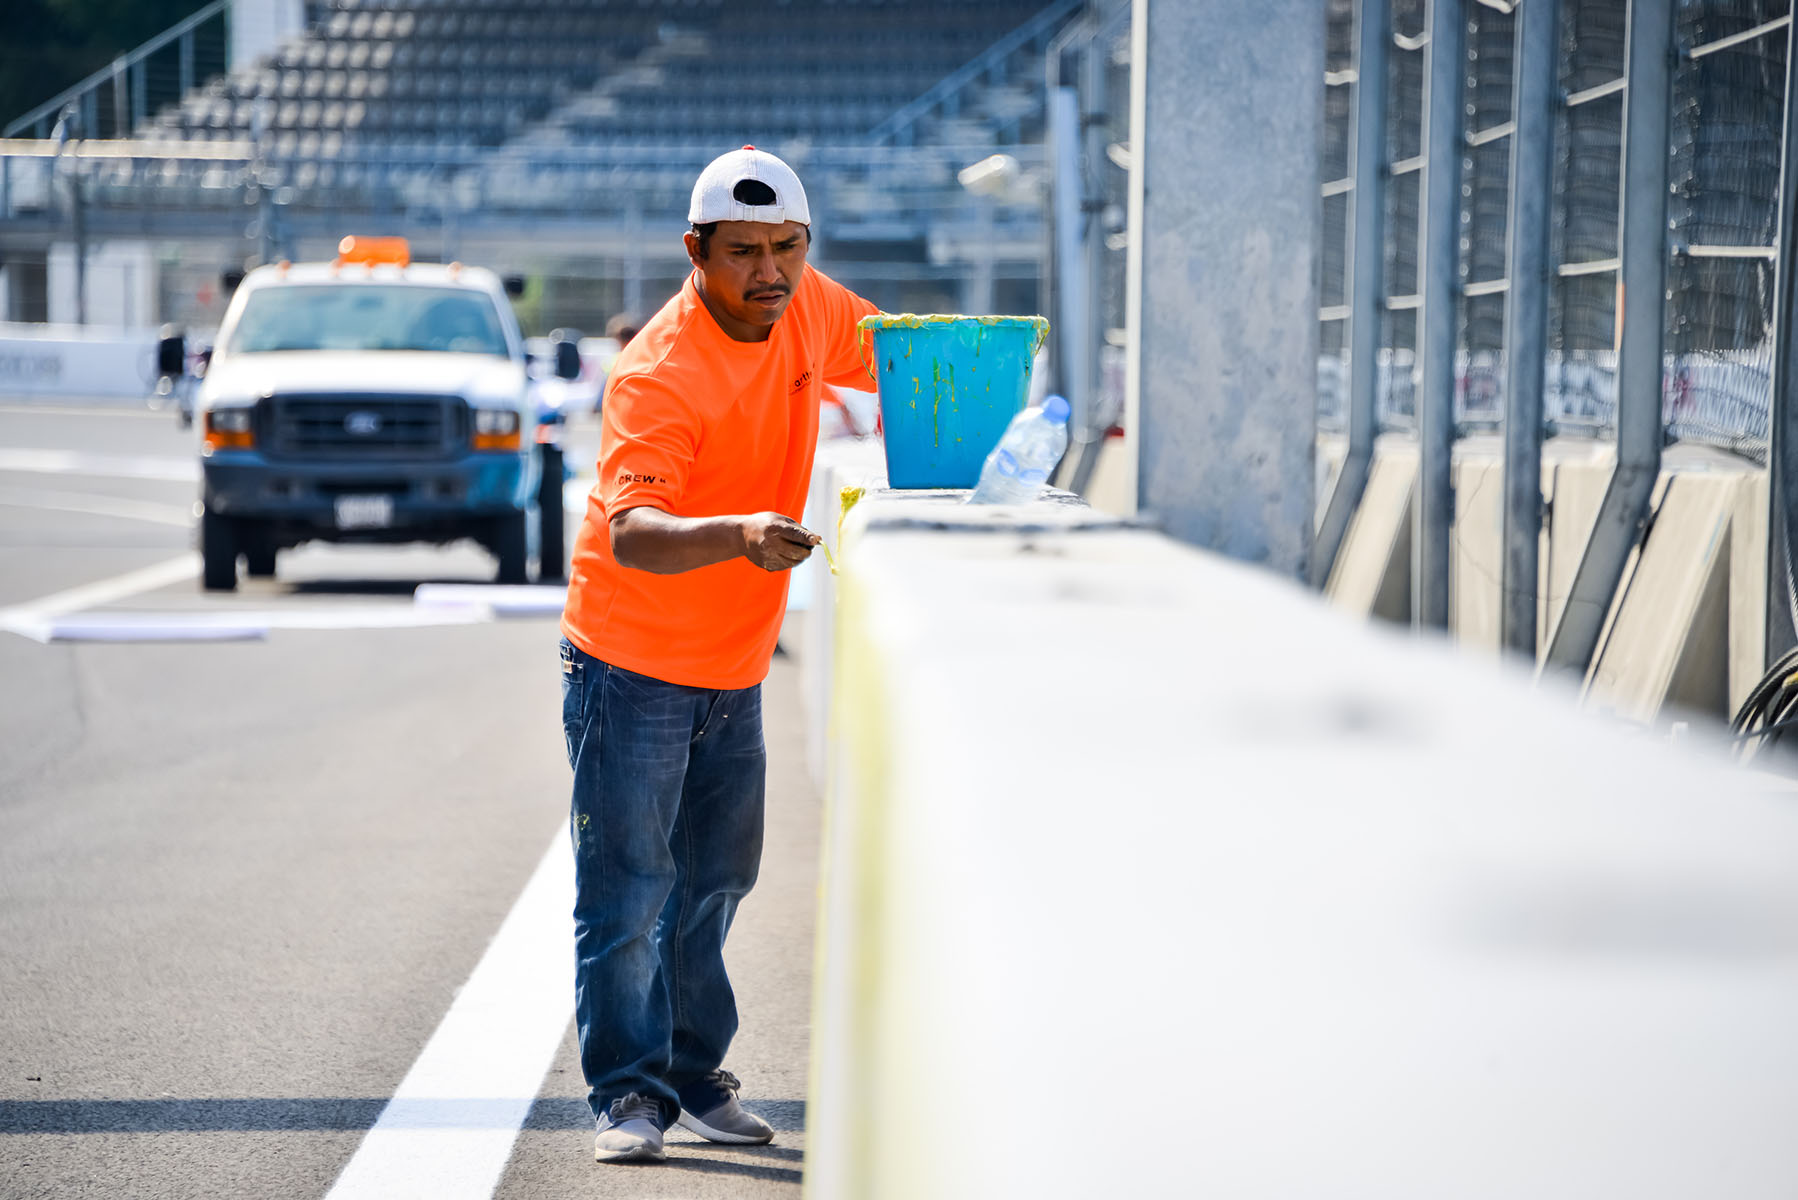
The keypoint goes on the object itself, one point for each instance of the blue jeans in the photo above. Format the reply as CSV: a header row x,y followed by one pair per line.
x,y
667,829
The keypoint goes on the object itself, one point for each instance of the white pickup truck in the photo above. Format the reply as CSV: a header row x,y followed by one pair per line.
x,y
369,399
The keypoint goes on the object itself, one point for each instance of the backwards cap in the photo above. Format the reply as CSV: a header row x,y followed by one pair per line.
x,y
720,196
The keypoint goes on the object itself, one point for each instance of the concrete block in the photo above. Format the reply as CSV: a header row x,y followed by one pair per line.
x,y
1748,588
1575,474
1332,449
1474,560
1666,643
1372,572
1112,488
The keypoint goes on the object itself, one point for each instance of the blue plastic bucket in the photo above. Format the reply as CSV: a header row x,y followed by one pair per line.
x,y
948,388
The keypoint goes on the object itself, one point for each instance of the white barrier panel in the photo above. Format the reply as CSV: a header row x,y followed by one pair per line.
x,y
844,463
1148,874
68,360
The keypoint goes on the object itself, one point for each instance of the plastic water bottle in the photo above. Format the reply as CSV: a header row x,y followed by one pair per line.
x,y
1018,468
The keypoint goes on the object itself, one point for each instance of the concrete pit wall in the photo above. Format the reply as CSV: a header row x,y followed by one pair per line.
x,y
1111,819
1685,635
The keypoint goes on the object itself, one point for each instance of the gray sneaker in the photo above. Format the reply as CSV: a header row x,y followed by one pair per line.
x,y
726,1121
630,1131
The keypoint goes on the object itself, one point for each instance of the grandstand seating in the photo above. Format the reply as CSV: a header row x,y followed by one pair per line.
x,y
461,74
514,125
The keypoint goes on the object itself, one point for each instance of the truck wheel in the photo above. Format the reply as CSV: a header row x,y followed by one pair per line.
x,y
552,549
511,545
218,552
259,553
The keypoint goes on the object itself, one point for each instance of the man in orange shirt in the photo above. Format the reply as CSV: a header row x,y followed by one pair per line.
x,y
677,589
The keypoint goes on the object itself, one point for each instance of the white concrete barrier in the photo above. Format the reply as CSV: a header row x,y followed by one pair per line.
x,y
74,360
1149,874
840,464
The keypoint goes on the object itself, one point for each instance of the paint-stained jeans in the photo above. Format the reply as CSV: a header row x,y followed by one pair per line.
x,y
667,829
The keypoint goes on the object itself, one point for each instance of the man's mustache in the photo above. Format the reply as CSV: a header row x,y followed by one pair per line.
x,y
769,291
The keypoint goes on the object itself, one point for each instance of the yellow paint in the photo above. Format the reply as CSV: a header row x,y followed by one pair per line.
x,y
926,320
847,500
857,814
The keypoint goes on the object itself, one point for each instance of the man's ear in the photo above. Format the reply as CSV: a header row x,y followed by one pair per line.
x,y
692,240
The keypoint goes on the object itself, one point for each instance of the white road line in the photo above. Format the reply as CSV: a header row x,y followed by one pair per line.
x,y
99,506
92,595
449,1129
57,408
82,462
499,599
233,625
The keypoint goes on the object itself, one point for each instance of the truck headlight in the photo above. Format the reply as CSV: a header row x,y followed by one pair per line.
x,y
495,429
229,429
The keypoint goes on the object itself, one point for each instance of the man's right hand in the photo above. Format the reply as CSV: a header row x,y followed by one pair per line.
x,y
776,543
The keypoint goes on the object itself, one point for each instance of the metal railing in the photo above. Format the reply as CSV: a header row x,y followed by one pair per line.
x,y
947,93
160,186
137,84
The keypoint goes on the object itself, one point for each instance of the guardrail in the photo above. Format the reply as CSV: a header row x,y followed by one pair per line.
x,y
861,184
68,361
132,97
948,91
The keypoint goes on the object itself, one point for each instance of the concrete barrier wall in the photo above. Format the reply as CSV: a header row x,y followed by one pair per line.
x,y
74,360
1685,636
1150,874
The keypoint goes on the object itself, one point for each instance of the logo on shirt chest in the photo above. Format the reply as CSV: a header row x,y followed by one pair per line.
x,y
801,383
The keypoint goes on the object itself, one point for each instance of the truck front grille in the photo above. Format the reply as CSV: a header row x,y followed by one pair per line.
x,y
365,427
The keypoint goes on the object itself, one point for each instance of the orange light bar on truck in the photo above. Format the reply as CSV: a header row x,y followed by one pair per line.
x,y
373,251
229,429
495,429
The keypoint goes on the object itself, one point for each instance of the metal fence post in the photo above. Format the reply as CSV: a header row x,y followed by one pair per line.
x,y
1782,450
121,103
1367,280
1074,291
1434,512
1221,375
1642,253
140,95
1526,316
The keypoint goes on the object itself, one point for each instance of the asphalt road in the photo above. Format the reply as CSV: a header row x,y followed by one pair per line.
x,y
242,882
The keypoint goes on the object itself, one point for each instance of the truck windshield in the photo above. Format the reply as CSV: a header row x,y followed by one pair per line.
x,y
368,316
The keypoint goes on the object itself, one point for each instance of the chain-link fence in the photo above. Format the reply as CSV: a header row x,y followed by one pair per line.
x,y
1727,108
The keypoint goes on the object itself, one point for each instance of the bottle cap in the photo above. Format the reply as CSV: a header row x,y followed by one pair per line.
x,y
1056,409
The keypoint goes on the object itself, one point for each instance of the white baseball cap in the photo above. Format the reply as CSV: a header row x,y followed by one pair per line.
x,y
718,196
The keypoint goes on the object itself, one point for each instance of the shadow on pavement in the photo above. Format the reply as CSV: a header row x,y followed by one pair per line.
x,y
679,1161
253,1114
197,1116
569,1112
363,587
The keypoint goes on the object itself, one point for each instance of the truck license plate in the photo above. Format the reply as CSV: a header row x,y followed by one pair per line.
x,y
364,512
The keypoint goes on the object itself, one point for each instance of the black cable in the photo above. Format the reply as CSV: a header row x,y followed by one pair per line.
x,y
1770,710
1768,731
